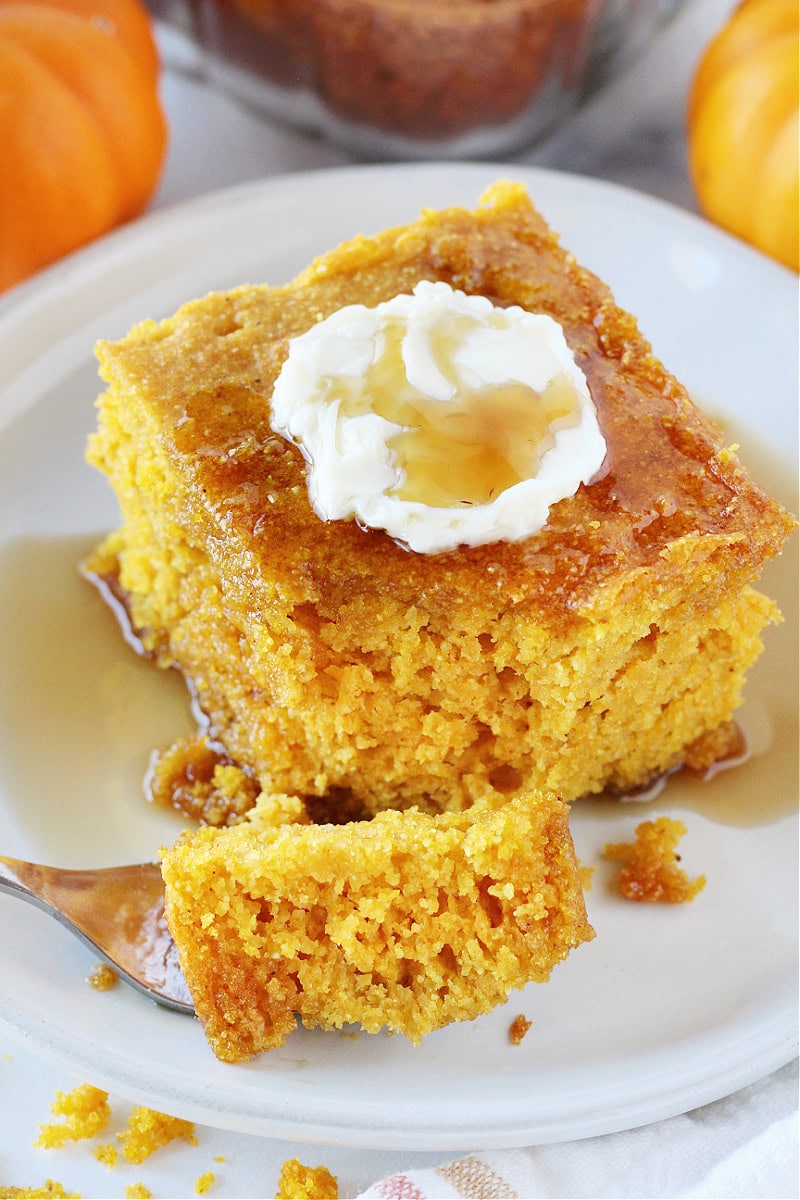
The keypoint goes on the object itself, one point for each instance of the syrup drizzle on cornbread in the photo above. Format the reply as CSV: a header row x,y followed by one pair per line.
x,y
466,452
438,417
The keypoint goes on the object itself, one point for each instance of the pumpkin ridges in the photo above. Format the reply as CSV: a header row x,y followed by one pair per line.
x,y
734,125
115,92
776,218
48,147
127,20
751,25
759,4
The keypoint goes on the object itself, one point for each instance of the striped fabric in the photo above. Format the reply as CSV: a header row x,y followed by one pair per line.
x,y
477,1177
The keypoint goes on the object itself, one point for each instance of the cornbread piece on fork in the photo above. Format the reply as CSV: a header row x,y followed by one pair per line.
x,y
405,922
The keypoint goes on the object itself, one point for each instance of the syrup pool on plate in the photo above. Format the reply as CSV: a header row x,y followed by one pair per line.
x,y
84,712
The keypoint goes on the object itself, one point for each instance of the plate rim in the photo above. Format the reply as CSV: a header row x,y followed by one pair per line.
x,y
458,1136
95,254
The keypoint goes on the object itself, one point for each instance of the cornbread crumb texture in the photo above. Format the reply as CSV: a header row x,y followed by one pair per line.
x,y
148,1130
650,870
299,1182
597,654
406,922
518,1028
201,780
51,1188
107,1154
103,978
86,1113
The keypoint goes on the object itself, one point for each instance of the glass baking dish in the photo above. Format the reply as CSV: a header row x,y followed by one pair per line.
x,y
417,78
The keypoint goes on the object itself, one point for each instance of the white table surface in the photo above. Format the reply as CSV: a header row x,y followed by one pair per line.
x,y
632,134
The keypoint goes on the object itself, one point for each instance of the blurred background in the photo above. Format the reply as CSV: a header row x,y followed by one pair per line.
x,y
691,100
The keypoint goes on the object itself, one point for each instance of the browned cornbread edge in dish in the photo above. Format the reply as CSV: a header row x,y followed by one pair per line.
x,y
608,648
406,922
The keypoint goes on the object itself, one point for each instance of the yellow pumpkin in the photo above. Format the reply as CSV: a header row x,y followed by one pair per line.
x,y
82,132
742,124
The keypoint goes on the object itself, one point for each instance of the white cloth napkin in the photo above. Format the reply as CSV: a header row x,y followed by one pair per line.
x,y
745,1145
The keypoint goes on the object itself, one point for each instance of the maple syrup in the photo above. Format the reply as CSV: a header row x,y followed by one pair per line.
x,y
81,713
464,451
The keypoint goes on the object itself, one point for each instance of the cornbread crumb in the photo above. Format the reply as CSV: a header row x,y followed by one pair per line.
x,y
50,1188
519,1027
106,1154
587,875
86,1113
650,871
137,1191
204,1183
148,1130
103,978
198,779
298,1182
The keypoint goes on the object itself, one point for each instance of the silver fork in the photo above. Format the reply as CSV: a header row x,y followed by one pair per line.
x,y
118,912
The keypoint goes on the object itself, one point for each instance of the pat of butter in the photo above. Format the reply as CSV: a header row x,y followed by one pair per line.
x,y
439,418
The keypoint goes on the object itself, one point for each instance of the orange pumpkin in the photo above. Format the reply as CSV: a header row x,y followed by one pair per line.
x,y
128,21
82,132
742,122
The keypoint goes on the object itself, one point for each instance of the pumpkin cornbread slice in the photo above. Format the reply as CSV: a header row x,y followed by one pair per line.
x,y
406,922
607,649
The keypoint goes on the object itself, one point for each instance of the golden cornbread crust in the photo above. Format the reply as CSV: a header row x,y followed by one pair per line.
x,y
596,654
406,922
51,1188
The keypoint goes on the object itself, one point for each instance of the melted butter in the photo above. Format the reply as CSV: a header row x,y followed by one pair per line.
x,y
464,451
439,418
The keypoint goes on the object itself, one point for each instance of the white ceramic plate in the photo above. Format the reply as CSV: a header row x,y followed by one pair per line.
x,y
669,1007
